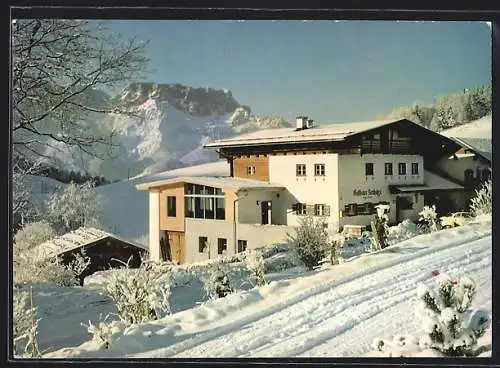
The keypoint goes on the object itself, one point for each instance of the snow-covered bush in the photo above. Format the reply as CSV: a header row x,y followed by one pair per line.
x,y
33,234
24,324
404,230
140,294
449,326
481,204
311,241
30,271
335,254
380,227
218,282
73,206
429,218
255,265
102,332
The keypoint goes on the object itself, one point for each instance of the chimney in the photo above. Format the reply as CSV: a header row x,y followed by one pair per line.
x,y
301,122
310,123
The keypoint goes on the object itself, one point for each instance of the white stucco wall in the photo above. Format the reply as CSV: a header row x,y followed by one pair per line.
x,y
352,177
256,236
307,189
456,168
249,212
154,225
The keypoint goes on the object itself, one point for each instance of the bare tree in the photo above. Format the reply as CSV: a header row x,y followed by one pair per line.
x,y
60,69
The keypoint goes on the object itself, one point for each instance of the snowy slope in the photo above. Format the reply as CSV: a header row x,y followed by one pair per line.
x,y
336,311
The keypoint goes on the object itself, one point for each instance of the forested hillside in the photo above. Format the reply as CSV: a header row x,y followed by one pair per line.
x,y
449,110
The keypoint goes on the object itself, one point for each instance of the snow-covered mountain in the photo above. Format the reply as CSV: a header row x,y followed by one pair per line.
x,y
174,122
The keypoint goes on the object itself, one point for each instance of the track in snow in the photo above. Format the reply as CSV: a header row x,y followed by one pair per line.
x,y
320,323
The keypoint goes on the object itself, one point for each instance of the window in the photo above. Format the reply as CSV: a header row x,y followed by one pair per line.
x,y
209,208
202,244
369,168
350,209
319,210
221,245
388,168
468,176
250,170
300,209
204,202
486,175
301,170
319,169
365,209
402,168
414,168
171,210
242,245
189,207
220,209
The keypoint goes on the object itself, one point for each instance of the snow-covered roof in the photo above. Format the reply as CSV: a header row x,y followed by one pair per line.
x,y
480,146
318,133
218,182
73,240
431,182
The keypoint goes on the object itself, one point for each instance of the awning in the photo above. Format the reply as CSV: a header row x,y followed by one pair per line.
x,y
431,182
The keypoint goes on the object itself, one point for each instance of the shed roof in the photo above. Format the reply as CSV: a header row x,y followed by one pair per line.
x,y
74,240
213,181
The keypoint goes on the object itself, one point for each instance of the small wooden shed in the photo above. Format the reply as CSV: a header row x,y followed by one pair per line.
x,y
106,251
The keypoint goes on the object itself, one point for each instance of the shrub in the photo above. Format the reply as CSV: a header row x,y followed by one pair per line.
x,y
429,219
28,270
218,282
481,204
25,324
311,241
380,227
33,234
102,332
140,294
450,327
255,265
402,231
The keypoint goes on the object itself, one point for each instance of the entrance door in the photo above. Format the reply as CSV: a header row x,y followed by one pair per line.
x,y
176,241
398,208
265,212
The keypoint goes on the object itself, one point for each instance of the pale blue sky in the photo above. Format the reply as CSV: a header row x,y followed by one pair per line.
x,y
330,71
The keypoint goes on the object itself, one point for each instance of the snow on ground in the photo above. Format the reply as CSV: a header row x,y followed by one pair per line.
x,y
62,309
334,311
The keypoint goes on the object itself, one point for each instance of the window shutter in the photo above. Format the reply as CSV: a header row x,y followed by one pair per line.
x,y
310,209
327,210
